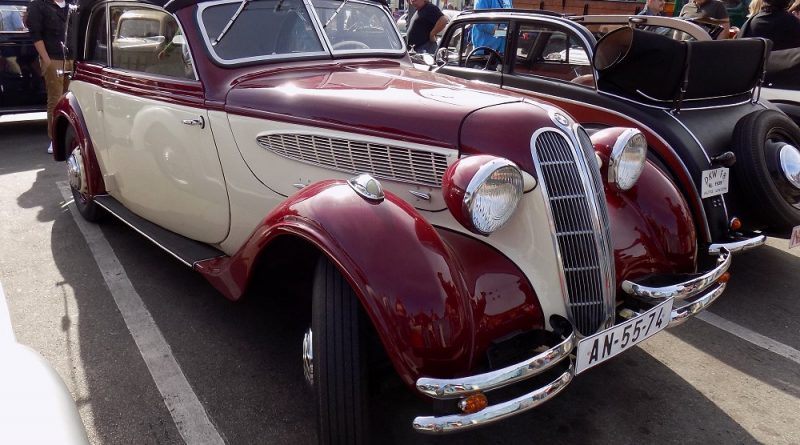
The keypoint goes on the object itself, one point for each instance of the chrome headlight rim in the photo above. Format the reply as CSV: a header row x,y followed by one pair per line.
x,y
478,180
626,181
790,164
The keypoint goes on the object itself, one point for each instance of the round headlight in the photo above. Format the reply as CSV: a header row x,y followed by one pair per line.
x,y
492,195
627,159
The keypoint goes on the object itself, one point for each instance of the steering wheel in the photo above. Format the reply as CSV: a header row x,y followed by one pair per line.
x,y
350,44
492,54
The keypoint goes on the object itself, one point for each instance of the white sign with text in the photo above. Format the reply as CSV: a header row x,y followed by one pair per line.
x,y
715,182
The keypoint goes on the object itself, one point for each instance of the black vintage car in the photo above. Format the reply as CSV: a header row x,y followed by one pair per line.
x,y
737,158
21,86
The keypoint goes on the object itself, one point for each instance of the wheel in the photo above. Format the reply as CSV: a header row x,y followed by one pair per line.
x,y
338,357
350,44
767,147
492,54
76,174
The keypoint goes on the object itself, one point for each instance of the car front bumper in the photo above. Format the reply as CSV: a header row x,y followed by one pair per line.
x,y
696,293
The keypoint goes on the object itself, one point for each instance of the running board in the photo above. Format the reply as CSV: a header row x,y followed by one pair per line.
x,y
184,249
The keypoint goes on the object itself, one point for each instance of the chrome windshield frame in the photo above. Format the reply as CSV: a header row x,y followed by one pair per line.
x,y
327,51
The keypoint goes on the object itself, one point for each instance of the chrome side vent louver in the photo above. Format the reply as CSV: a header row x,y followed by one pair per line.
x,y
379,160
580,219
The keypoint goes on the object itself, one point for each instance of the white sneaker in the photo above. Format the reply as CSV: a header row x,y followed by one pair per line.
x,y
50,149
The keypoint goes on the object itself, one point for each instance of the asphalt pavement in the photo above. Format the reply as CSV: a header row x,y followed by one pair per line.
x,y
187,366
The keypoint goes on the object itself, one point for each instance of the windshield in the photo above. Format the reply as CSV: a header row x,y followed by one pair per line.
x,y
267,29
357,26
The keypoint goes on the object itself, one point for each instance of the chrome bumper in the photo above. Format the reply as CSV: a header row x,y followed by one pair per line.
x,y
457,388
699,292
738,246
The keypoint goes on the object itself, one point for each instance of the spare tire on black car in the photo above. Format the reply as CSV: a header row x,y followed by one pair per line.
x,y
770,183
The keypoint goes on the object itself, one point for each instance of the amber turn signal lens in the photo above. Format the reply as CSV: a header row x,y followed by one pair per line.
x,y
736,224
724,278
473,403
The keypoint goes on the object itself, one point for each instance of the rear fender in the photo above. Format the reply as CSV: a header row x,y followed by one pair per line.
x,y
651,224
68,114
402,270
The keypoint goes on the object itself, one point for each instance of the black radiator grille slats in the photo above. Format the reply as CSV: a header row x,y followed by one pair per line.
x,y
379,160
571,208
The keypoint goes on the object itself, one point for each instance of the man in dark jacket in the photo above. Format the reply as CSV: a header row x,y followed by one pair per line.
x,y
423,27
47,22
776,23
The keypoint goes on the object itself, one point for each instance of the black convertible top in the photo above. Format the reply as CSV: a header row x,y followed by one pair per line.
x,y
647,66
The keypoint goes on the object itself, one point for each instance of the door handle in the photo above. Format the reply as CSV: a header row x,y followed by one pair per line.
x,y
195,122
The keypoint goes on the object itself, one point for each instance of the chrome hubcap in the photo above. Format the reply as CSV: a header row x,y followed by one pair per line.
x,y
790,164
74,173
308,357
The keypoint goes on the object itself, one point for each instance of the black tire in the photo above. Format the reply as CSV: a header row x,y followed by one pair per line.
x,y
757,140
340,357
86,206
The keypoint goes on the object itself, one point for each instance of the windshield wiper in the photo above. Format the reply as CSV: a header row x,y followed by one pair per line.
x,y
344,2
230,22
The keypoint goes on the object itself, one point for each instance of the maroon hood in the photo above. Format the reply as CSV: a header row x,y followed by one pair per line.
x,y
388,101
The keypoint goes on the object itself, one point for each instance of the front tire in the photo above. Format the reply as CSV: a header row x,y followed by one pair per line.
x,y
76,174
339,359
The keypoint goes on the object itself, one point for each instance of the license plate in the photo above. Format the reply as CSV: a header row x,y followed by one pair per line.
x,y
614,340
714,182
794,241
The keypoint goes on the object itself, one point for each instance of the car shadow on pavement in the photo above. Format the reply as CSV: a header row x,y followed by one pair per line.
x,y
241,359
16,138
113,390
633,399
762,296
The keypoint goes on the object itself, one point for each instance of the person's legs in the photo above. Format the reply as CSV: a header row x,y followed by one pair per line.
x,y
54,86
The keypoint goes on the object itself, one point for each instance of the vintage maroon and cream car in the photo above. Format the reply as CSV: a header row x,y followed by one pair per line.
x,y
479,240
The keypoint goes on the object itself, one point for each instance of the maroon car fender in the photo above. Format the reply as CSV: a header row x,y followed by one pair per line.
x,y
422,297
651,224
68,114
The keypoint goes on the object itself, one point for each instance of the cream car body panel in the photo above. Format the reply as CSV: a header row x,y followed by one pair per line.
x,y
166,172
286,175
250,199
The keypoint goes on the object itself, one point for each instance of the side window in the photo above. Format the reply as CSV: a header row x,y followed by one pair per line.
x,y
477,45
148,40
97,40
553,53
